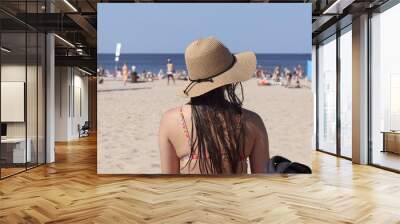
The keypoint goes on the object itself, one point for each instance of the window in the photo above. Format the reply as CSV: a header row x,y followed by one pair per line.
x,y
346,92
385,89
327,95
22,77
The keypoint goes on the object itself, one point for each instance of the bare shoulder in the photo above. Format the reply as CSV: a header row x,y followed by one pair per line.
x,y
168,121
253,121
170,114
251,116
172,117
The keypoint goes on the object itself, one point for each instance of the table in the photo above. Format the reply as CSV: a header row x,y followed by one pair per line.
x,y
391,141
15,148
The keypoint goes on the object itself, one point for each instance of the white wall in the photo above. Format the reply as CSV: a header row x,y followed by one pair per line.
x,y
12,101
71,93
62,82
16,72
81,82
10,73
81,102
33,126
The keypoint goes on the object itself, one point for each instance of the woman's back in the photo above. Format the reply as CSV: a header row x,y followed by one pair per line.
x,y
177,125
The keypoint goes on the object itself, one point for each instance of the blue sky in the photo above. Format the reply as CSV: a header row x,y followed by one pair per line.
x,y
169,28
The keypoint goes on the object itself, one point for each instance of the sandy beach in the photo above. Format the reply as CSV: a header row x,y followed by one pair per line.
x,y
129,116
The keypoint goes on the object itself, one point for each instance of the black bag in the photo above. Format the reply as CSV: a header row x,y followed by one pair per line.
x,y
279,164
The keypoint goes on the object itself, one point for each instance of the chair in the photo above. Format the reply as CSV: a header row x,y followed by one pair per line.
x,y
84,130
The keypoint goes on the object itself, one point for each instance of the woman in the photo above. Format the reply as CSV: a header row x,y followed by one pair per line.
x,y
288,75
125,73
170,71
213,134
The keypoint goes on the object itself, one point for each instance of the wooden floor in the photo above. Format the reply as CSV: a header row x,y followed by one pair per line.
x,y
5,172
69,191
388,159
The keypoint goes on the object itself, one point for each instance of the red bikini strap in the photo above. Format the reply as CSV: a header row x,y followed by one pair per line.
x,y
185,128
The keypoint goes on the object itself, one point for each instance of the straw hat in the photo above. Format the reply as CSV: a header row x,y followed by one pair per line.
x,y
211,65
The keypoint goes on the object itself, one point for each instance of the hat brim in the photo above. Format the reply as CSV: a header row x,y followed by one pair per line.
x,y
242,70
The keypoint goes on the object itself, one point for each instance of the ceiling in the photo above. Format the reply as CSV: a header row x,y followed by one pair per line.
x,y
74,22
332,15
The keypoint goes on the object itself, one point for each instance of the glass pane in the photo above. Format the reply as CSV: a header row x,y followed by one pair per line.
x,y
31,86
13,88
386,89
346,93
327,96
41,98
31,98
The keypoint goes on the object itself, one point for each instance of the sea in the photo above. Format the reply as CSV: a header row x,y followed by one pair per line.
x,y
155,62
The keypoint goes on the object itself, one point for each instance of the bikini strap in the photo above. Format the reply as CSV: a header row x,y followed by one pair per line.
x,y
184,126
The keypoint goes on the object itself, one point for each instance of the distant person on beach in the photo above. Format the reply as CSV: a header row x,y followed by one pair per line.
x,y
100,73
213,133
143,75
262,79
288,76
170,71
276,74
133,74
184,74
297,81
160,74
300,71
125,73
149,77
258,73
298,76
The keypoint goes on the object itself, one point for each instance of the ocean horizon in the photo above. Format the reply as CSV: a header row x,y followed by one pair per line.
x,y
154,62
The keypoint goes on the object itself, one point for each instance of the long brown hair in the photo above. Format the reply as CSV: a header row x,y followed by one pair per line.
x,y
218,130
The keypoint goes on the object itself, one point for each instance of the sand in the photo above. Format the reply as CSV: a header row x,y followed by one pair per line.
x,y
129,116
